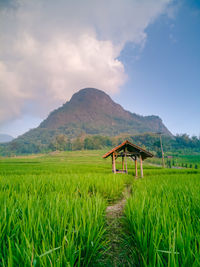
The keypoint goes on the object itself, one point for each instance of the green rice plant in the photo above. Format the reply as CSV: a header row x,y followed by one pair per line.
x,y
52,212
162,221
52,209
55,229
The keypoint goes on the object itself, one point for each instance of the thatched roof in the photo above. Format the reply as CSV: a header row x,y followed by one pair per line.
x,y
130,149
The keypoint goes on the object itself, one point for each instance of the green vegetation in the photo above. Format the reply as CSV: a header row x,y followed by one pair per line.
x,y
53,212
162,220
52,209
179,161
42,141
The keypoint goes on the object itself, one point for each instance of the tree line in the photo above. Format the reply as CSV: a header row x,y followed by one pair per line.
x,y
181,143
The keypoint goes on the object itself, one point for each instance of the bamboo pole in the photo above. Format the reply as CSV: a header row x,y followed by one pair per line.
x,y
163,161
126,160
114,165
136,172
141,167
122,163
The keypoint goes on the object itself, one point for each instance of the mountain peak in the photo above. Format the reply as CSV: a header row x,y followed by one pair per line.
x,y
92,111
86,92
91,95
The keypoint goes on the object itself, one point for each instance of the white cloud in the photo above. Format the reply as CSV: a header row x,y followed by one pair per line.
x,y
50,49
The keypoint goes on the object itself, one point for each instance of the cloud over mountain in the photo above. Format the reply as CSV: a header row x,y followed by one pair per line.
x,y
50,49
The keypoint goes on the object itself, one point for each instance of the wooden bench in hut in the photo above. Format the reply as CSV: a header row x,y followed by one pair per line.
x,y
124,150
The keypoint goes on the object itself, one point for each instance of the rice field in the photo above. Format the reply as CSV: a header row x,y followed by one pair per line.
x,y
162,219
53,212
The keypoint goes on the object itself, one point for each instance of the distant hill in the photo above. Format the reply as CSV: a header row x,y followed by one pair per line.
x,y
4,138
92,111
89,112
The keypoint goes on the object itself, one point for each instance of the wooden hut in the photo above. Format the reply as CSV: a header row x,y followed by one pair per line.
x,y
127,149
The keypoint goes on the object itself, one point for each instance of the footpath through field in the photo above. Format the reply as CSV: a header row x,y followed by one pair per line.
x,y
117,254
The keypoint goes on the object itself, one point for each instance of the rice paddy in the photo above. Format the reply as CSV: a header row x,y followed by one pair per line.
x,y
53,212
162,219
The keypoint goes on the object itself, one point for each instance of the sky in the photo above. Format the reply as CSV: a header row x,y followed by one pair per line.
x,y
144,53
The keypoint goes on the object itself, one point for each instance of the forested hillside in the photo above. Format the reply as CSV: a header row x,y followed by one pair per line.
x,y
178,144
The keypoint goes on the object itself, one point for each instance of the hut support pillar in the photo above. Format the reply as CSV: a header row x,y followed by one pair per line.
x,y
136,173
126,165
126,160
141,167
113,163
122,163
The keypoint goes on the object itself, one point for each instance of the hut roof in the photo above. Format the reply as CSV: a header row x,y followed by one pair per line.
x,y
131,149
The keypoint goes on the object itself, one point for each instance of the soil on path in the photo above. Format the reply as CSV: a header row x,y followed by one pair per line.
x,y
117,255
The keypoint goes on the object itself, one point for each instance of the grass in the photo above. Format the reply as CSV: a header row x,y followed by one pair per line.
x,y
162,220
52,212
53,209
186,161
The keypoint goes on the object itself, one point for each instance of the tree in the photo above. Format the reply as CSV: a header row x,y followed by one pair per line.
x,y
78,144
59,143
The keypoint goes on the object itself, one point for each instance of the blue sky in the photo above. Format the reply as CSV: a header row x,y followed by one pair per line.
x,y
165,80
149,60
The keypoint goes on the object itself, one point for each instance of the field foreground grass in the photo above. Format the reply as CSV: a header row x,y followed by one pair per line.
x,y
53,213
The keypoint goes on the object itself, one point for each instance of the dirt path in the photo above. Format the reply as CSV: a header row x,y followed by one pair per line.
x,y
117,254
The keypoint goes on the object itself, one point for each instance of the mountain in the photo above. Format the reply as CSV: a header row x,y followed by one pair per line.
x,y
4,138
92,111
89,112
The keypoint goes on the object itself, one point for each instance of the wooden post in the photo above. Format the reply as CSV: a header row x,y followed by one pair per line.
x,y
126,160
122,163
136,173
114,166
141,167
163,161
112,163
